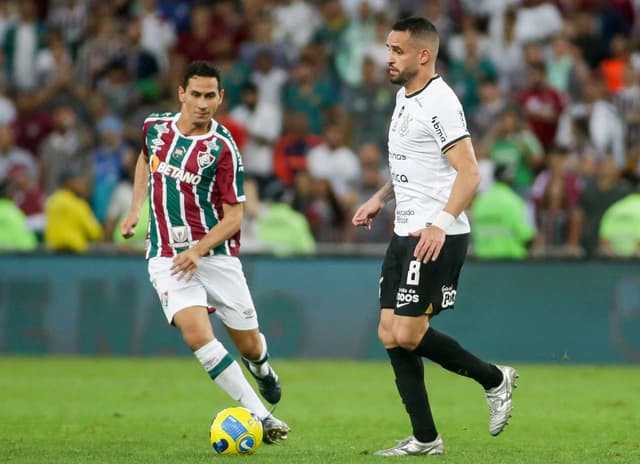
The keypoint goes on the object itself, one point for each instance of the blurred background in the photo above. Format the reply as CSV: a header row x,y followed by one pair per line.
x,y
552,98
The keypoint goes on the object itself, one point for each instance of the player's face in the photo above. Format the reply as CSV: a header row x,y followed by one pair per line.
x,y
201,99
403,59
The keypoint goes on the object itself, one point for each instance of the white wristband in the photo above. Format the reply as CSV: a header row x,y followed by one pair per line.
x,y
443,220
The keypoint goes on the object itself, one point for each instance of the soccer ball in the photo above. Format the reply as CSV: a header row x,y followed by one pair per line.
x,y
235,431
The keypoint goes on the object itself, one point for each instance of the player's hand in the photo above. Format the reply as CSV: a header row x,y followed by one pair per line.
x,y
185,264
365,214
430,244
128,226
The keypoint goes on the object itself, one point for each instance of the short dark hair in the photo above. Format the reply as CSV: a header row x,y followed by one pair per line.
x,y
504,173
201,68
417,26
249,87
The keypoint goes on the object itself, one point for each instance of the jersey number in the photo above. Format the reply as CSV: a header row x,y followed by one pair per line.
x,y
413,276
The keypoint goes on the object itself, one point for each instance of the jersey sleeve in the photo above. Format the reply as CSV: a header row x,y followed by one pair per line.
x,y
447,122
145,130
229,181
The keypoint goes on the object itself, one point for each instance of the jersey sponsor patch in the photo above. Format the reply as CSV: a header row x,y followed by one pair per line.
x,y
157,143
439,129
405,297
402,215
176,172
448,296
179,234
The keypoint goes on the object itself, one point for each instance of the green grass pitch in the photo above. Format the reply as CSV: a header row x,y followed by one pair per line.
x,y
157,410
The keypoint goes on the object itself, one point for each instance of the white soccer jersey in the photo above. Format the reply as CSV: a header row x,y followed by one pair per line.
x,y
423,126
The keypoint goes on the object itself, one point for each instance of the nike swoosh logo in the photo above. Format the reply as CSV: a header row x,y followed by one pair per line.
x,y
400,305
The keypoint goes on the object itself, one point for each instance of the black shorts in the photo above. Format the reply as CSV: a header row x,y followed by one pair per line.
x,y
414,288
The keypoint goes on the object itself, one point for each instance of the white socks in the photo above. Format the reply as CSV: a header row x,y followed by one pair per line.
x,y
227,373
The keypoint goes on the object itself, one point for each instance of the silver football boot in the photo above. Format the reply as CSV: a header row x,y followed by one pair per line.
x,y
412,447
499,400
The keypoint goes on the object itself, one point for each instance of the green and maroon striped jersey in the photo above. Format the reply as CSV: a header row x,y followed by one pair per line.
x,y
190,179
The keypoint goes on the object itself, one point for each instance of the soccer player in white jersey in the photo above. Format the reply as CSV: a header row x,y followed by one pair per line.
x,y
192,171
434,175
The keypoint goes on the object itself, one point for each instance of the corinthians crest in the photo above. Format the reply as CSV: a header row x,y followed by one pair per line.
x,y
404,124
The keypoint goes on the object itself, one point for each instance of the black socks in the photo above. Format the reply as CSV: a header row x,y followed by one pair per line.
x,y
409,372
447,352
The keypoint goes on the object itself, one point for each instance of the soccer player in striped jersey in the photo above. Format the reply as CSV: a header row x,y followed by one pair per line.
x,y
191,169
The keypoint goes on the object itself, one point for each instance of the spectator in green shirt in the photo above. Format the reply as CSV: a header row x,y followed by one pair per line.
x,y
285,231
510,143
501,229
309,91
620,226
14,233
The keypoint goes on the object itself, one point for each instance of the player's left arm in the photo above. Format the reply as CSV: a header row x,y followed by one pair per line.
x,y
228,226
463,159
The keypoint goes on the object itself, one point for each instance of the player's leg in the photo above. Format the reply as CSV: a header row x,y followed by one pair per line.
x,y
409,372
446,351
424,291
407,366
228,292
435,284
195,326
255,356
185,306
498,381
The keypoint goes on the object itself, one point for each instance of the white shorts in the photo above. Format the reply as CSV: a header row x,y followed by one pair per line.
x,y
219,283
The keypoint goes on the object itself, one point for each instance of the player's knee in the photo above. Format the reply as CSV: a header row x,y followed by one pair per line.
x,y
386,337
250,347
196,339
406,341
251,351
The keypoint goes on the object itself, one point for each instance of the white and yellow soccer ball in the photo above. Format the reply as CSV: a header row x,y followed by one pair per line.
x,y
235,431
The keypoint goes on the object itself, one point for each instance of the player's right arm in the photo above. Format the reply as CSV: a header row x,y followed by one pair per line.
x,y
370,209
140,185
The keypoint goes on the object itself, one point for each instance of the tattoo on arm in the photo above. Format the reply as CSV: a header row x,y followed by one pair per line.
x,y
386,192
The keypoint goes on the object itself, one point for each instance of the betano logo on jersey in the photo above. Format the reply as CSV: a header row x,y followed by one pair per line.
x,y
174,171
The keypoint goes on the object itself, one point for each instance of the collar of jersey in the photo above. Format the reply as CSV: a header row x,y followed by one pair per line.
x,y
425,86
212,129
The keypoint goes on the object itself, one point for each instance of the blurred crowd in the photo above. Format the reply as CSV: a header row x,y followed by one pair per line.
x,y
550,89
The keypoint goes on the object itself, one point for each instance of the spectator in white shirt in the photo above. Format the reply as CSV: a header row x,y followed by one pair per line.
x,y
334,161
158,33
263,123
